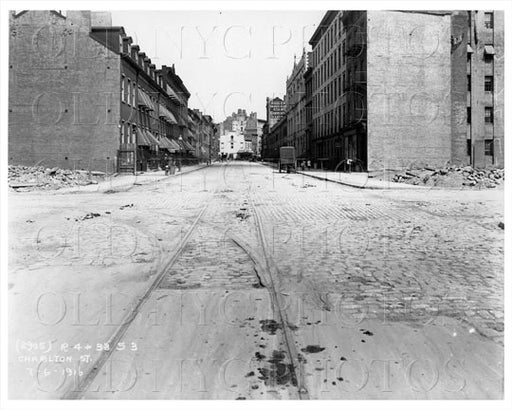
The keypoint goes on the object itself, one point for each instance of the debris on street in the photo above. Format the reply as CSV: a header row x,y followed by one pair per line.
x,y
90,215
23,178
453,177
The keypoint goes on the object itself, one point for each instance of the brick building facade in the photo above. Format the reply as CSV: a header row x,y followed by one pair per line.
x,y
296,106
398,89
83,96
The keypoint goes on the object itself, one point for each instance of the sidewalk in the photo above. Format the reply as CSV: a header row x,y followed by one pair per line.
x,y
360,180
125,182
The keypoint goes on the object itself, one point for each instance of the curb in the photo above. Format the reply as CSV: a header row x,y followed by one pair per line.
x,y
130,186
120,188
412,187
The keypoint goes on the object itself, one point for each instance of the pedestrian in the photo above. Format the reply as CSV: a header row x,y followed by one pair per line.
x,y
303,165
309,164
178,164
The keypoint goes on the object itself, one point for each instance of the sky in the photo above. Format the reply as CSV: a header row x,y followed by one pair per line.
x,y
227,59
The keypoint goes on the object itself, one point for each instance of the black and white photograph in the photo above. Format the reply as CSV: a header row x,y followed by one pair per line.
x,y
220,201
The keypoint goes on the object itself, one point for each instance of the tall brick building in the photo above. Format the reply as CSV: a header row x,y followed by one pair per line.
x,y
395,89
296,105
82,95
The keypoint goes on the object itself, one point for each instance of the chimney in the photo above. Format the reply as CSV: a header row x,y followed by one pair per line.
x,y
152,71
101,19
81,18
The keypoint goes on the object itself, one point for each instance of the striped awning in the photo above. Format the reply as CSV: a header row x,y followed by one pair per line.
x,y
167,114
169,144
188,146
153,140
144,100
185,145
142,138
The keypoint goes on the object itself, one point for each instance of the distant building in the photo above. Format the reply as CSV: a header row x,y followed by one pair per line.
x,y
236,122
277,137
276,108
254,131
232,143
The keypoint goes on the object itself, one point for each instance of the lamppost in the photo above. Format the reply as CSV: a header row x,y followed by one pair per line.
x,y
210,148
180,139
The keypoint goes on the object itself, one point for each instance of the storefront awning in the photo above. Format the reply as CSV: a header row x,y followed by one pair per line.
x,y
169,144
167,114
142,138
186,146
153,140
189,146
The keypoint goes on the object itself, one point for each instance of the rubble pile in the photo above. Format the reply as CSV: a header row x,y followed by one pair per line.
x,y
452,176
23,178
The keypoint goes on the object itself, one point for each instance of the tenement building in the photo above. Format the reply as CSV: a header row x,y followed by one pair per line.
x,y
483,87
395,89
82,95
296,106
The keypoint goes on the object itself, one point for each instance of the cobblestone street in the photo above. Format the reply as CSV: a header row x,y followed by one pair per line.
x,y
236,281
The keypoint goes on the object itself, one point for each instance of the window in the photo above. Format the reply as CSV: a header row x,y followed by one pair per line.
x,y
468,148
468,116
469,83
489,83
489,147
122,133
489,20
122,89
129,91
489,115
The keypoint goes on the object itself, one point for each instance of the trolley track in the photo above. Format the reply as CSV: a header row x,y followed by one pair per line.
x,y
78,390
266,272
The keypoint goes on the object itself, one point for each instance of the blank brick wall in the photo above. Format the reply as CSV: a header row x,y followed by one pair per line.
x,y
63,93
